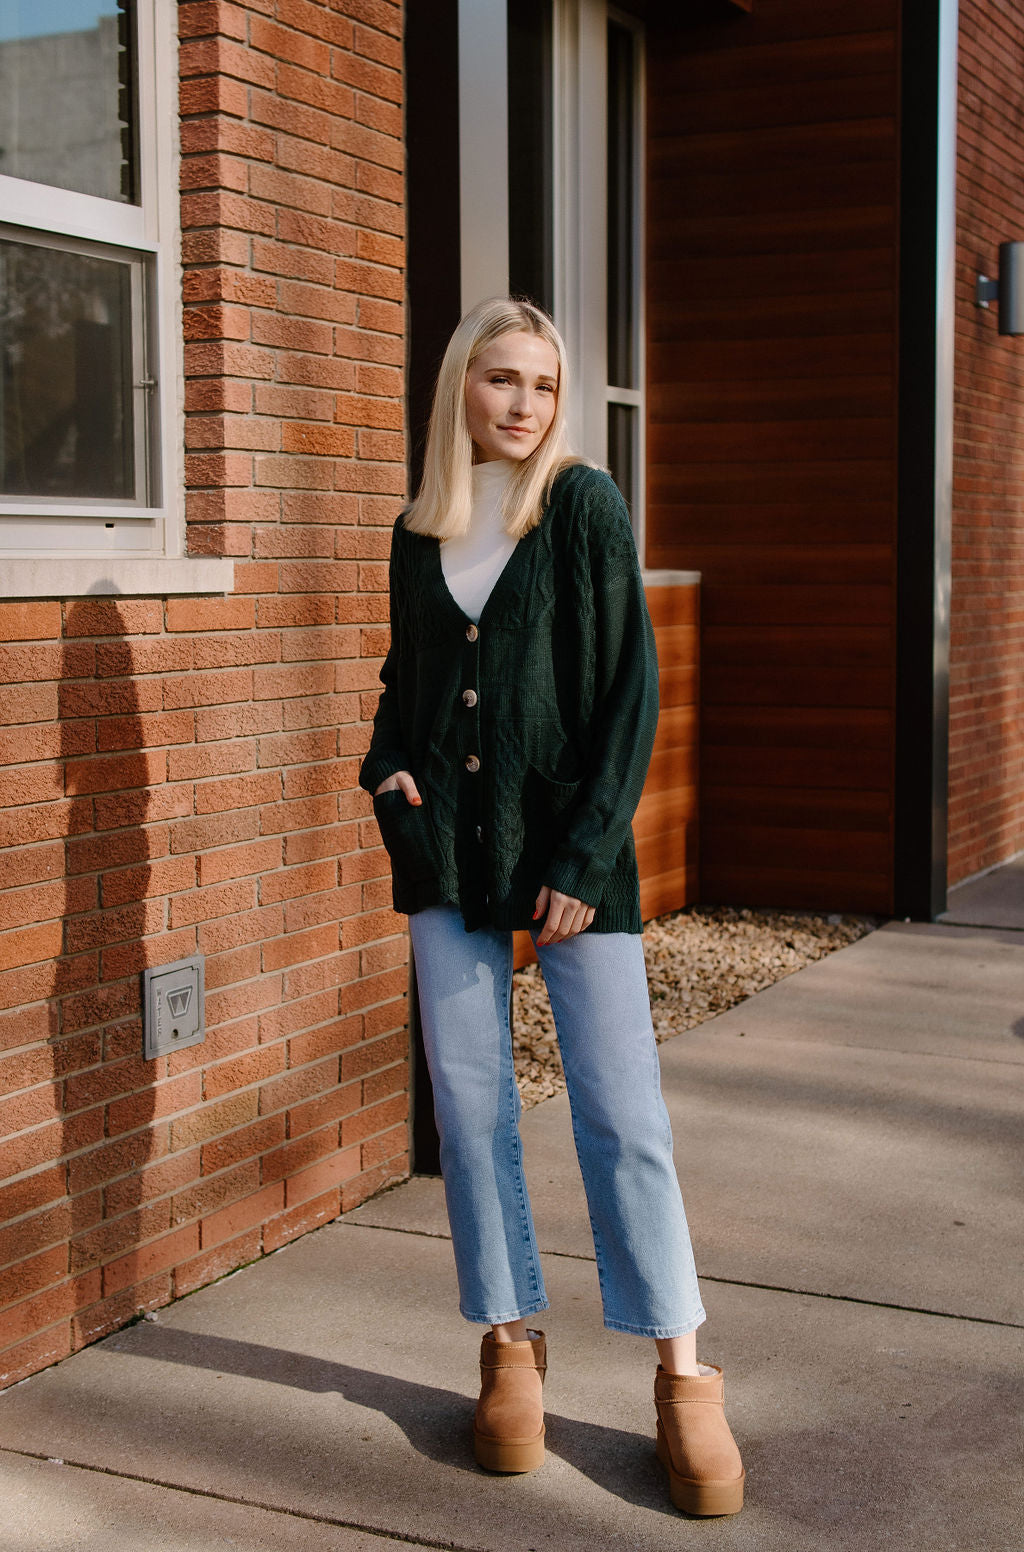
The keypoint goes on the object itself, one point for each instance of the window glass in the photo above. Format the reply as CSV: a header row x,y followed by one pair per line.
x,y
621,206
530,196
67,95
622,419
66,374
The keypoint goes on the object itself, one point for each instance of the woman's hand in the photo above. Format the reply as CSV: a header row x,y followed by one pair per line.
x,y
566,915
402,780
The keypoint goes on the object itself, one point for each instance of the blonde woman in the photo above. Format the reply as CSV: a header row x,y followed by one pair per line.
x,y
508,755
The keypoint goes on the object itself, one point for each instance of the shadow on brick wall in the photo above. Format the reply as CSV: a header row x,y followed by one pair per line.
x,y
106,1089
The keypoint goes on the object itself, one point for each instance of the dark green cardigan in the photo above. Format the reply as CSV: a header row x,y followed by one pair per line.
x,y
529,736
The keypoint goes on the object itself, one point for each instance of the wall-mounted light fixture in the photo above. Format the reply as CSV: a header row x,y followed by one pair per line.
x,y
1008,290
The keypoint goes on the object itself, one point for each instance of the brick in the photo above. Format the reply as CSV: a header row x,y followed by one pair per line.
x,y
377,1118
242,1071
134,956
298,1014
364,277
114,1237
29,1276
230,966
209,1265
305,17
304,813
328,907
31,1192
30,945
164,1099
292,1087
315,1182
387,1145
214,1119
144,731
289,543
101,1316
210,614
261,858
110,617
246,791
365,1184
29,621
215,1191
300,1220
208,689
300,1154
158,1256
151,1181
318,1113
291,882
323,973
383,116
156,878
247,1142
216,937
19,1360
320,441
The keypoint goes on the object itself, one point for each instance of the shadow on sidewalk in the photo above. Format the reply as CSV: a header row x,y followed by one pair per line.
x,y
436,1422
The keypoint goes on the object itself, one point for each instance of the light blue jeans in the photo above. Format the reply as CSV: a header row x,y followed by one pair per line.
x,y
597,985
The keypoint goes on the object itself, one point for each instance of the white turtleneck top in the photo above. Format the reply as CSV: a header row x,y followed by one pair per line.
x,y
474,561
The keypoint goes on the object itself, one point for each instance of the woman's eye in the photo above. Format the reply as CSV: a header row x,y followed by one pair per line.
x,y
499,379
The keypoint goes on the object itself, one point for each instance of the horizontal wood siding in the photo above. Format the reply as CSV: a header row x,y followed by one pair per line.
x,y
771,284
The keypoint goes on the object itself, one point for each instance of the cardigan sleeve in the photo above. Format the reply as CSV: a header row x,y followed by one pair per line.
x,y
386,753
625,715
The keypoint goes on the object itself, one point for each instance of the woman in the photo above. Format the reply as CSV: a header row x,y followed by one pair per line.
x,y
508,756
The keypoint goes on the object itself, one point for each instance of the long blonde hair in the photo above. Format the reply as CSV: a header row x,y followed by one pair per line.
x,y
443,504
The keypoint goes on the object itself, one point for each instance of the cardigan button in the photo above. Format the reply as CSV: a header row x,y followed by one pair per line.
x,y
469,696
472,632
472,762
479,832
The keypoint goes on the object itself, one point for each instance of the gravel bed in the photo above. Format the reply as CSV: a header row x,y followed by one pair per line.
x,y
700,961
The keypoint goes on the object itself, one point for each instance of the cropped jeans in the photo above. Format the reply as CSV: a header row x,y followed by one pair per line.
x,y
597,985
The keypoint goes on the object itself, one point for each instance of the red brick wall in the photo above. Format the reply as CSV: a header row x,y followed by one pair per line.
x,y
179,775
986,810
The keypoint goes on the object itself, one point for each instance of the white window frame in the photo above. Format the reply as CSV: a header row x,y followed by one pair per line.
x,y
615,394
581,210
53,549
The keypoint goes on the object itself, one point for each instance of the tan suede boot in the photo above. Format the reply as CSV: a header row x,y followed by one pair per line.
x,y
508,1431
695,1443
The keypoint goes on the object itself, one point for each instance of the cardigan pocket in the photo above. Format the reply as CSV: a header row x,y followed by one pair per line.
x,y
408,835
546,802
554,795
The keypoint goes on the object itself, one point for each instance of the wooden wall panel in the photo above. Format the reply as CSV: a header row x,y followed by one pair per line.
x,y
771,314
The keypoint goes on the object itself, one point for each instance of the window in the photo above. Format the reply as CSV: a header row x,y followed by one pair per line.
x,y
89,280
598,245
551,158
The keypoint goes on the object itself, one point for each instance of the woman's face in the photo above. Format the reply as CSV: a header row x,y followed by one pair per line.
x,y
511,391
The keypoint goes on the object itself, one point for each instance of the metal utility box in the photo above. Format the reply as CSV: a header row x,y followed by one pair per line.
x,y
173,998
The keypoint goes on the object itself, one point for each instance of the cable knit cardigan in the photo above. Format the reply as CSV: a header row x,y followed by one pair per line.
x,y
528,734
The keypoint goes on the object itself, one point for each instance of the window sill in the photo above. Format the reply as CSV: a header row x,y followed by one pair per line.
x,y
671,578
127,576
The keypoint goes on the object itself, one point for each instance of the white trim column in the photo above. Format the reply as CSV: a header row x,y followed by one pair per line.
x,y
483,149
581,213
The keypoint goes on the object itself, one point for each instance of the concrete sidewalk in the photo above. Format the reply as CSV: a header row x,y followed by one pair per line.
x,y
849,1146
